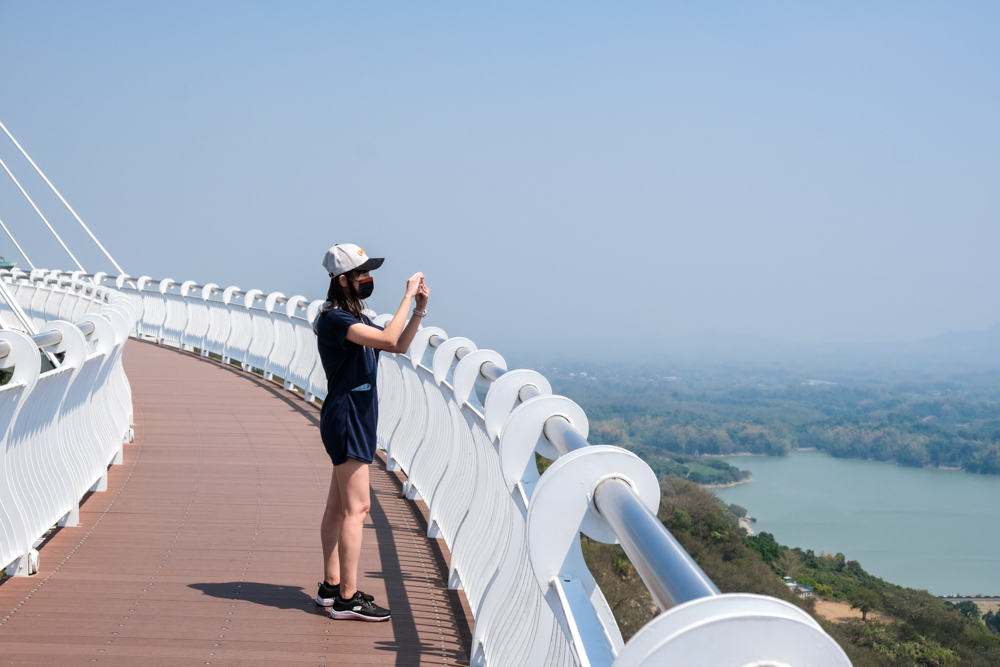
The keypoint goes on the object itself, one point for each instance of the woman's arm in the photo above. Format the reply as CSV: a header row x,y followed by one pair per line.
x,y
398,334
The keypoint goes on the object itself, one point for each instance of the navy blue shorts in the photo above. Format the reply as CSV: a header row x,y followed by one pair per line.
x,y
347,425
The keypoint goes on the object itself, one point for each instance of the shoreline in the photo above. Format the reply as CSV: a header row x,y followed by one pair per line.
x,y
727,484
846,458
773,456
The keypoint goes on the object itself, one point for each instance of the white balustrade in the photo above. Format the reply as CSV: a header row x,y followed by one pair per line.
x,y
513,534
63,426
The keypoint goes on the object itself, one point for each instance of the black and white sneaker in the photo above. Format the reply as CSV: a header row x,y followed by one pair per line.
x,y
358,608
326,594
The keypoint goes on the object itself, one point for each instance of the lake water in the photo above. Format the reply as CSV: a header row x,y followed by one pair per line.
x,y
923,528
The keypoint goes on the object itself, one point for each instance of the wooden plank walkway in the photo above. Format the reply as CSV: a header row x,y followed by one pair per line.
x,y
205,548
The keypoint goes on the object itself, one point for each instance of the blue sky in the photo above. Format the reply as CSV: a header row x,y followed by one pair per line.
x,y
573,178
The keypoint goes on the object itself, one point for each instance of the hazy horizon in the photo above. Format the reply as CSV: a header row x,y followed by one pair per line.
x,y
948,353
573,179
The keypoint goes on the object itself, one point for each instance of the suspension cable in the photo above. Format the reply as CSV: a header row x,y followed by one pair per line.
x,y
16,244
65,203
40,215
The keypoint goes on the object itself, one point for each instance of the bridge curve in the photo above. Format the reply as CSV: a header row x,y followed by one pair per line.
x,y
463,427
205,548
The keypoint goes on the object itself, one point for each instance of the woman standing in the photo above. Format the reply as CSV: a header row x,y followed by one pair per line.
x,y
349,345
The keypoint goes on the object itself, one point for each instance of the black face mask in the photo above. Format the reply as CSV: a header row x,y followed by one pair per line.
x,y
365,288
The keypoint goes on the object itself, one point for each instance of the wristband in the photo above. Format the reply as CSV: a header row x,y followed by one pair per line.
x,y
419,313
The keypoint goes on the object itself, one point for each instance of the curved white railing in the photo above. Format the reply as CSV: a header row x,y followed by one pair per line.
x,y
65,408
513,535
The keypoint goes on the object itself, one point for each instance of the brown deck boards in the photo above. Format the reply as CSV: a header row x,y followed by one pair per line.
x,y
205,548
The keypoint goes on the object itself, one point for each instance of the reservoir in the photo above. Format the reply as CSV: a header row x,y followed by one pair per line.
x,y
930,529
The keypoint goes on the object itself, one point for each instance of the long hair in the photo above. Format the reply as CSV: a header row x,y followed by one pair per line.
x,y
345,298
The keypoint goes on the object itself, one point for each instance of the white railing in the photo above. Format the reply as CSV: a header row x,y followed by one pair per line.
x,y
513,535
65,408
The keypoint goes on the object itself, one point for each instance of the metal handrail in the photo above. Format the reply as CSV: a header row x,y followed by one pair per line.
x,y
668,571
48,338
488,369
560,432
215,290
67,279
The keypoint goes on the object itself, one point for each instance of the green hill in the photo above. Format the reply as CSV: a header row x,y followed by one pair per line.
x,y
912,628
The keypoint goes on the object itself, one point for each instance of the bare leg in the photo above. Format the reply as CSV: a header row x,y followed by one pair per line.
x,y
355,498
329,532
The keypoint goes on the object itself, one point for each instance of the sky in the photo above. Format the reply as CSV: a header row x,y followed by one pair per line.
x,y
582,178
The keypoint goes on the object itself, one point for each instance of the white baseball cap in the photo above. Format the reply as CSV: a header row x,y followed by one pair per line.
x,y
345,257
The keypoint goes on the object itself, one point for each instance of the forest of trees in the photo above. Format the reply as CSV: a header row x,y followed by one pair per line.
x,y
932,422
700,470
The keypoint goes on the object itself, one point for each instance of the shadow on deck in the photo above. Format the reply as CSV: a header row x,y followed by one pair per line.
x,y
205,548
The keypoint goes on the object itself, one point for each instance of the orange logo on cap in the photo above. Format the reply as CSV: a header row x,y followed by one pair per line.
x,y
361,253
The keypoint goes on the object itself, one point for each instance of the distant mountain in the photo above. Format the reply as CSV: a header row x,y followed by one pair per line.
x,y
972,346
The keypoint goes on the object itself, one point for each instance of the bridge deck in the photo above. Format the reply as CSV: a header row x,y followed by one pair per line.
x,y
205,548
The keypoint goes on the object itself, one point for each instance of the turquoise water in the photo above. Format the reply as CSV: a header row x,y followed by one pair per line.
x,y
923,528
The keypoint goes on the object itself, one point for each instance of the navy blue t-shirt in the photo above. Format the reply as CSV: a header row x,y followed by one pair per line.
x,y
350,411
